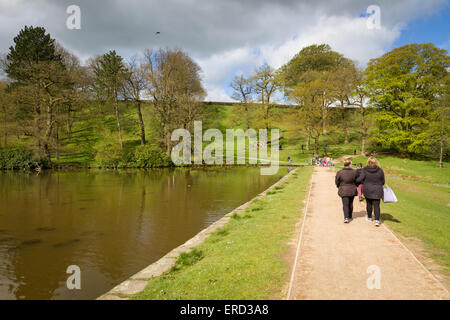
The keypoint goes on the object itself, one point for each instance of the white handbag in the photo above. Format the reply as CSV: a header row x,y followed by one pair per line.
x,y
389,195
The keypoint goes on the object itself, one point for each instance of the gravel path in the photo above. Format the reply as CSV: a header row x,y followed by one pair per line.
x,y
341,261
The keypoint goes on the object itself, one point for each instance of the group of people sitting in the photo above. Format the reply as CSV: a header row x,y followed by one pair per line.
x,y
367,181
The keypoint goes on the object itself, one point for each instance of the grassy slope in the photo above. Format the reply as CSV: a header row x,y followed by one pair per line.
x,y
423,209
94,127
244,259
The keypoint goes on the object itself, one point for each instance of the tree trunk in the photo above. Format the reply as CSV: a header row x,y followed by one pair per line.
x,y
363,129
141,122
69,122
168,143
324,119
5,134
363,146
37,130
308,142
48,132
267,117
441,154
57,141
246,115
118,121
316,146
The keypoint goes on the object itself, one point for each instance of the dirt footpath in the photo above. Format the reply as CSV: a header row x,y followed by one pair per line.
x,y
355,260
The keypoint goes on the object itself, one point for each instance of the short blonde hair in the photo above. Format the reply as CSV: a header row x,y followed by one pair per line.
x,y
373,162
347,162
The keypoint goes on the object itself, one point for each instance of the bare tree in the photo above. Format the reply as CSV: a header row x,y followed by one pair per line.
x,y
343,85
109,77
266,84
359,98
133,88
175,87
243,90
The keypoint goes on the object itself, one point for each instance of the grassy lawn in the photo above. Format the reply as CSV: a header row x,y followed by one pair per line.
x,y
244,259
425,171
422,212
423,209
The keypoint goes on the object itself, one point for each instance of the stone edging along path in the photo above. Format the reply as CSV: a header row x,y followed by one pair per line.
x,y
138,282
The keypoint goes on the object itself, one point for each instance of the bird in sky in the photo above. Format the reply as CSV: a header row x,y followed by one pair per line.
x,y
157,32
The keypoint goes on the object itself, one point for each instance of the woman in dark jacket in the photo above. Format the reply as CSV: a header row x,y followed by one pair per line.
x,y
346,182
372,178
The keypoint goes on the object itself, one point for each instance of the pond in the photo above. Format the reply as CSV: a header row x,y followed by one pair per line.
x,y
109,223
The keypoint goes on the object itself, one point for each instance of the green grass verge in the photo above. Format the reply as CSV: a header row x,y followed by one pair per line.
x,y
245,258
422,212
425,171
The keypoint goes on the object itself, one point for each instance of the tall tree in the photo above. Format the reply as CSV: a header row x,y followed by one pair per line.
x,y
110,73
37,70
403,85
359,99
265,84
320,59
242,91
343,83
174,85
8,115
309,94
133,87
75,97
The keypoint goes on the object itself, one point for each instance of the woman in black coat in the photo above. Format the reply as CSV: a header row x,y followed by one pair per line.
x,y
346,182
372,178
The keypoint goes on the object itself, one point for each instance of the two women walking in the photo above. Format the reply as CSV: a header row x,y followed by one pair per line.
x,y
372,180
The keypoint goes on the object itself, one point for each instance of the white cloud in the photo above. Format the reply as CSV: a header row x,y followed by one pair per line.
x,y
218,70
224,37
349,36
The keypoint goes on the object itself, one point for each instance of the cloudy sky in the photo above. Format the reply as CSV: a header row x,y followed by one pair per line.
x,y
229,37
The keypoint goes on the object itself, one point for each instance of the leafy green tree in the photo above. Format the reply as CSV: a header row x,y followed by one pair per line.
x,y
7,114
31,46
40,79
110,74
439,131
314,62
403,85
343,83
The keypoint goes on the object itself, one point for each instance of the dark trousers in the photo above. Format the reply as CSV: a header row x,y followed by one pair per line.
x,y
347,204
375,205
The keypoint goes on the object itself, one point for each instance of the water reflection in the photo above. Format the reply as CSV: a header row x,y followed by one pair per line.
x,y
109,223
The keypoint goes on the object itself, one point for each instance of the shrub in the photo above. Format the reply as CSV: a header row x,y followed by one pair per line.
x,y
109,155
150,156
16,158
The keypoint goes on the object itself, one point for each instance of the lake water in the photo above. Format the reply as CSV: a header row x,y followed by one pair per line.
x,y
109,223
